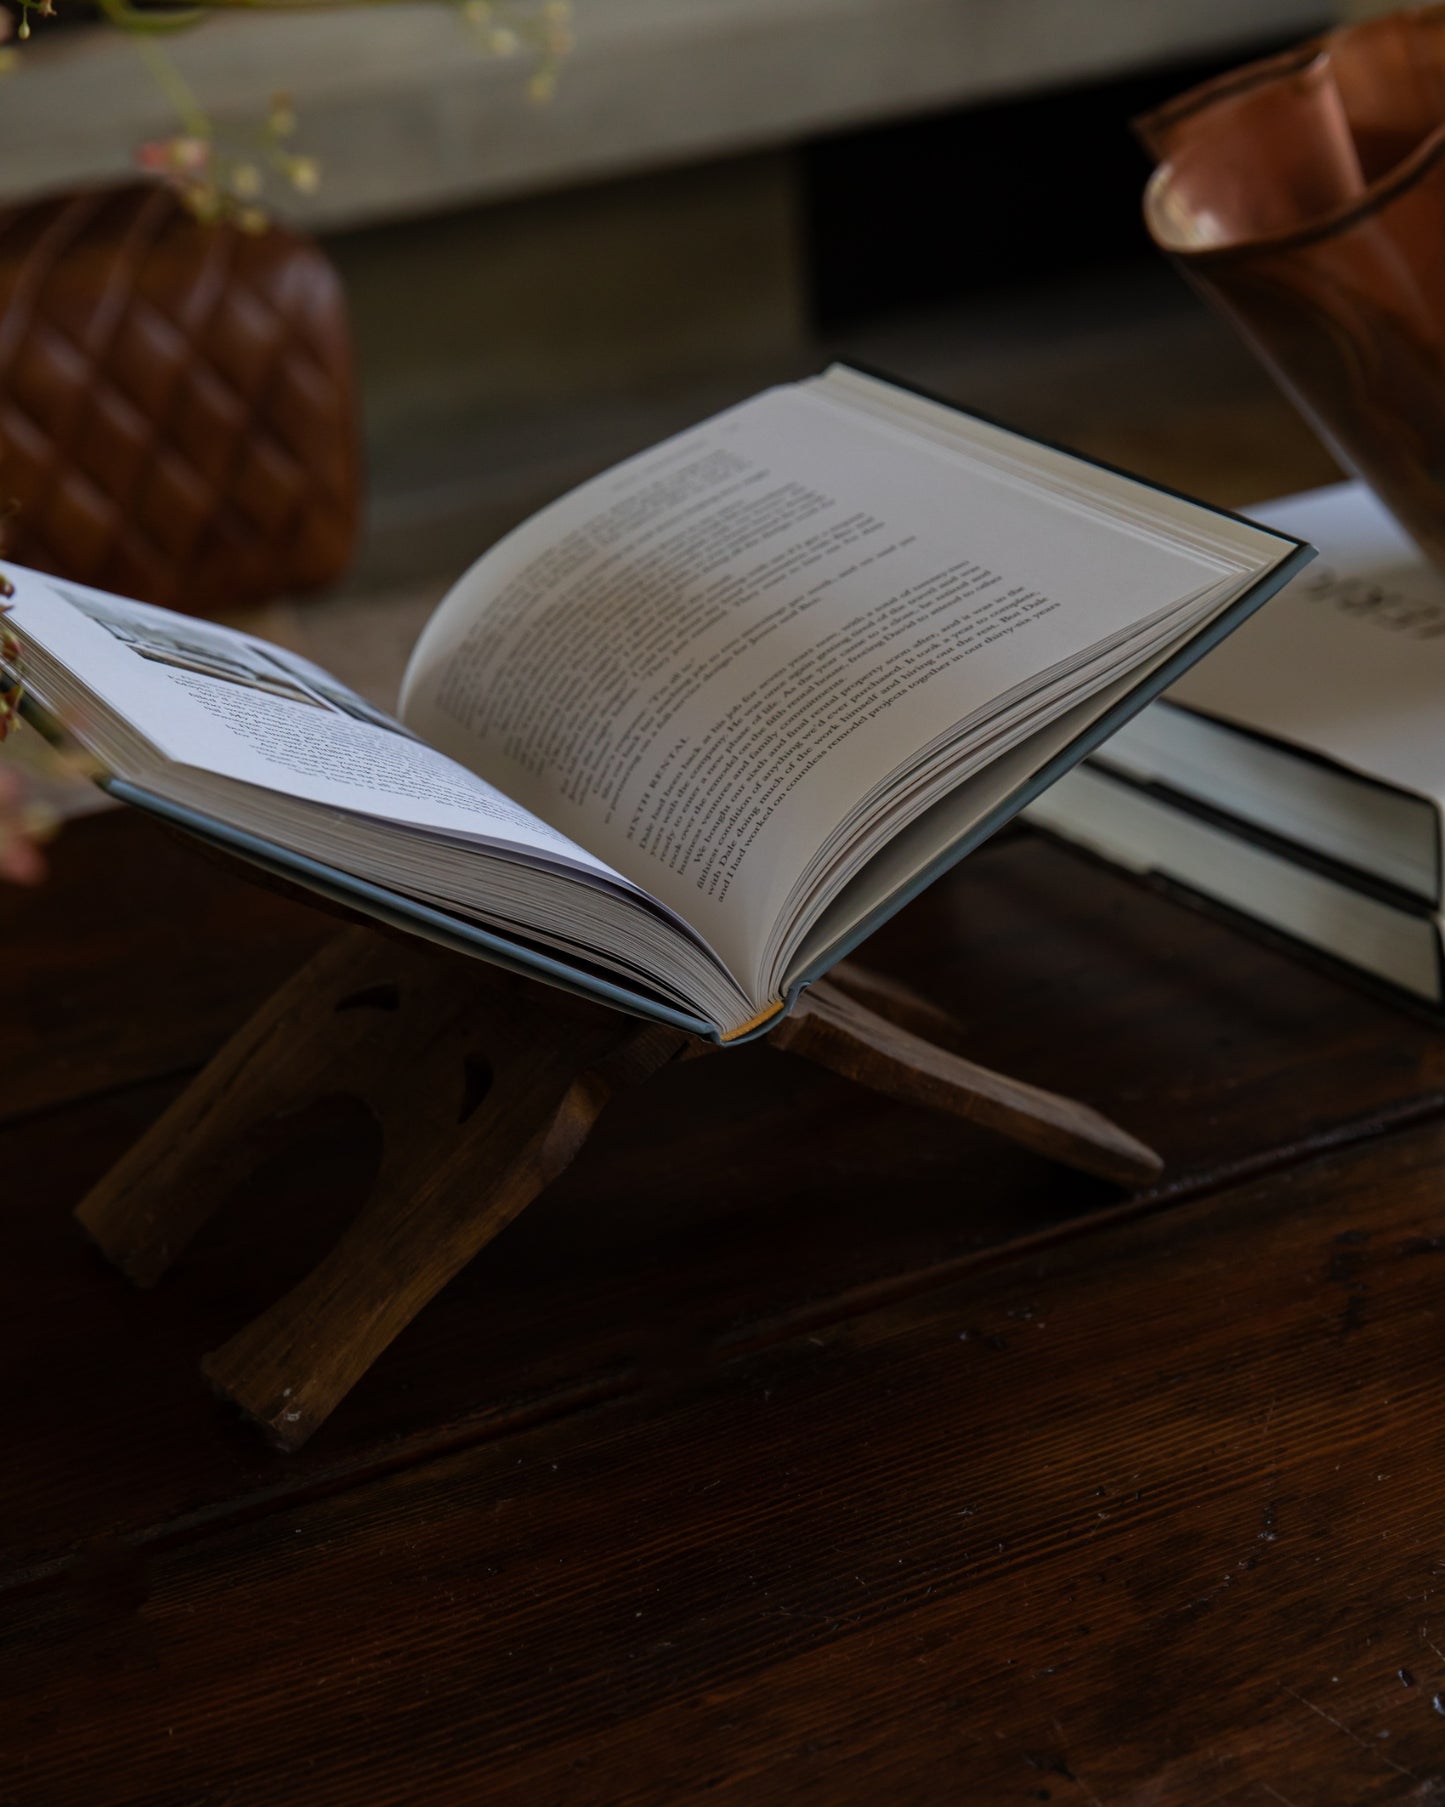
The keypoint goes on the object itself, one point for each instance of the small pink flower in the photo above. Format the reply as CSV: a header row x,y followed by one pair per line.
x,y
180,156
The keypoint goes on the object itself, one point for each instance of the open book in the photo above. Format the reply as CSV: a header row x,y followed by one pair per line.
x,y
687,735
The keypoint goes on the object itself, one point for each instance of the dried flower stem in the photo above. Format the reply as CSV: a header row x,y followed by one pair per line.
x,y
218,184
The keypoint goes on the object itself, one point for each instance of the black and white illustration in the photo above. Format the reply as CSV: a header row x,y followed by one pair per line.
x,y
211,651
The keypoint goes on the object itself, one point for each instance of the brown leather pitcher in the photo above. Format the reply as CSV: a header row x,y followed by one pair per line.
x,y
1305,194
178,415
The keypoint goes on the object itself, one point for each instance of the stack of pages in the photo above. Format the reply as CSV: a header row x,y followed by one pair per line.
x,y
1297,775
686,736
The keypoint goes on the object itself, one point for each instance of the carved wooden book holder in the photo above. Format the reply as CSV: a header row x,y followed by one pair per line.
x,y
485,1086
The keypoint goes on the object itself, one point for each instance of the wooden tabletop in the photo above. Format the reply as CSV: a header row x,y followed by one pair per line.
x,y
796,1447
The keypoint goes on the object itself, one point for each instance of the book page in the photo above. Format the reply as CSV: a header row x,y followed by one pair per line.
x,y
1348,660
226,703
701,663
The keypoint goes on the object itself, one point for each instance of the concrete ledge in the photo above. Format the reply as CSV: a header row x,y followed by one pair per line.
x,y
408,116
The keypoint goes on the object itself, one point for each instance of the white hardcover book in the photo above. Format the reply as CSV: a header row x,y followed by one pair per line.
x,y
1147,833
1297,774
1323,719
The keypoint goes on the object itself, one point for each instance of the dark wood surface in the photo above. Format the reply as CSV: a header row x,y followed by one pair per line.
x,y
797,1446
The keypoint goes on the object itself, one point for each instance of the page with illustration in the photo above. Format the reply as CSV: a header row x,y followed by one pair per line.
x,y
701,662
236,707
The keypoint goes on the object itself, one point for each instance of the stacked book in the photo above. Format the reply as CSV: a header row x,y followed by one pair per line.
x,y
1296,776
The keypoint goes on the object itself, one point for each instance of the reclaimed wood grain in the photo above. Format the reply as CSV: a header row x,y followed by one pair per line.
x,y
1149,1517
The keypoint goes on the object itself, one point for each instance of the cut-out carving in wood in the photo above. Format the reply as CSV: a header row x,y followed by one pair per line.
x,y
485,1086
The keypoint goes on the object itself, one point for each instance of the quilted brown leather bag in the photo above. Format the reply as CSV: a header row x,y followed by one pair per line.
x,y
177,406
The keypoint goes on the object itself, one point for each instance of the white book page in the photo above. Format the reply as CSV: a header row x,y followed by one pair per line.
x,y
701,662
1349,659
222,702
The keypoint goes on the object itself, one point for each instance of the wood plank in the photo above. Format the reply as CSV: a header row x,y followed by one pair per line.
x,y
732,1201
1151,1517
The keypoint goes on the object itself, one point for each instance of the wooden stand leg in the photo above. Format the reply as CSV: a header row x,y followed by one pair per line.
x,y
832,1027
485,1088
311,1038
444,1191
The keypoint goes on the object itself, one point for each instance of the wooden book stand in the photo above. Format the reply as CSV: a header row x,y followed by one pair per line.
x,y
485,1086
